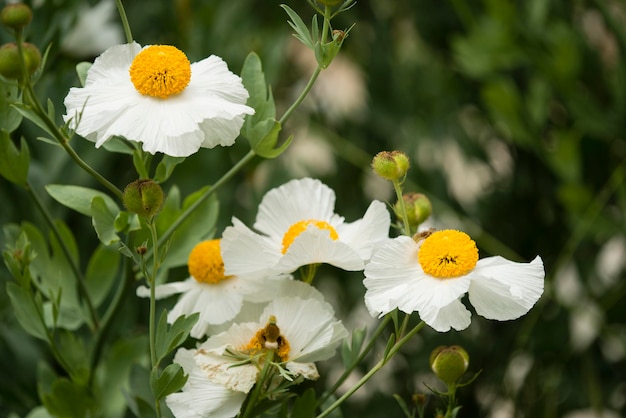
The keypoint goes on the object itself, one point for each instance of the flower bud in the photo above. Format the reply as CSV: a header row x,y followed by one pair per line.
x,y
143,197
16,16
449,363
10,66
391,165
418,208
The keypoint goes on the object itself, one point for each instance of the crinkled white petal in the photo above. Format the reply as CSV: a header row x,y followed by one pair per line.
x,y
366,234
207,113
295,201
201,397
441,319
245,252
166,290
306,370
313,246
503,290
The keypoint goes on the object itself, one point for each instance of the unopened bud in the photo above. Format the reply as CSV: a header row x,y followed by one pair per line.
x,y
141,250
449,363
16,16
10,66
391,165
418,208
143,197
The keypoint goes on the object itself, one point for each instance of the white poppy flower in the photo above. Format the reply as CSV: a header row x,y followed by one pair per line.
x,y
201,397
431,276
298,227
217,297
296,332
153,95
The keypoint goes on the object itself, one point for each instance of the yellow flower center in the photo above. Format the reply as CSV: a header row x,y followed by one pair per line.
x,y
160,71
205,262
448,253
299,227
268,338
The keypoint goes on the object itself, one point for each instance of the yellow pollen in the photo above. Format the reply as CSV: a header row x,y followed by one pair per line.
x,y
205,262
448,253
299,227
268,338
160,71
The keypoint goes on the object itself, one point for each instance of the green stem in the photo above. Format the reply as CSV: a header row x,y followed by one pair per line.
x,y
372,371
359,359
124,18
80,279
258,387
168,233
63,140
304,93
397,186
152,325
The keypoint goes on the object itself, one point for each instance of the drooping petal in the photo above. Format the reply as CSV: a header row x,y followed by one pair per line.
x,y
503,290
366,234
441,319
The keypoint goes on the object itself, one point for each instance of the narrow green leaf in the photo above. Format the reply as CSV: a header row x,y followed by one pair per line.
x,y
403,405
26,112
79,198
26,311
166,167
302,32
170,380
13,163
103,221
101,272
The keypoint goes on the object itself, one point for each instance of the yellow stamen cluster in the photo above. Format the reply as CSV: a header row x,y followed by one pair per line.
x,y
448,253
268,338
299,227
205,262
160,71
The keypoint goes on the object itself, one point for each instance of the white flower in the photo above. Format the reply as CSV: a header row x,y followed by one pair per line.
x,y
298,228
298,331
155,96
217,297
431,276
201,397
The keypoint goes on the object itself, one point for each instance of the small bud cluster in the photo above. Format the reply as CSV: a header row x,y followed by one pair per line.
x,y
391,165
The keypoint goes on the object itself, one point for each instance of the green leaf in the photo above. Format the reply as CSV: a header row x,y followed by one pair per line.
x,y
170,380
13,163
403,405
304,405
119,145
73,350
165,168
350,353
103,221
101,272
169,338
81,70
260,94
79,198
39,412
26,112
68,400
11,118
27,311
302,32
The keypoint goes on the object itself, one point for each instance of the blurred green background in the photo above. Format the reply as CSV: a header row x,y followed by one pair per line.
x,y
512,113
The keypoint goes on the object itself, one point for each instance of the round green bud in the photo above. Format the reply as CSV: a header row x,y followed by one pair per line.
x,y
143,197
16,16
418,208
449,363
391,165
10,61
32,57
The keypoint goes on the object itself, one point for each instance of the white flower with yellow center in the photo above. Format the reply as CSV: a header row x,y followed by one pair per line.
x,y
298,227
293,331
217,297
200,397
430,276
155,96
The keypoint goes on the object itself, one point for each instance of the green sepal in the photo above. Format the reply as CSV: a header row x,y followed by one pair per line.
x,y
13,163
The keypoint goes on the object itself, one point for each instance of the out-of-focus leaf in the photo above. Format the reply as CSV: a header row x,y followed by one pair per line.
x,y
13,163
170,380
103,221
27,310
11,118
79,198
304,405
101,272
68,400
